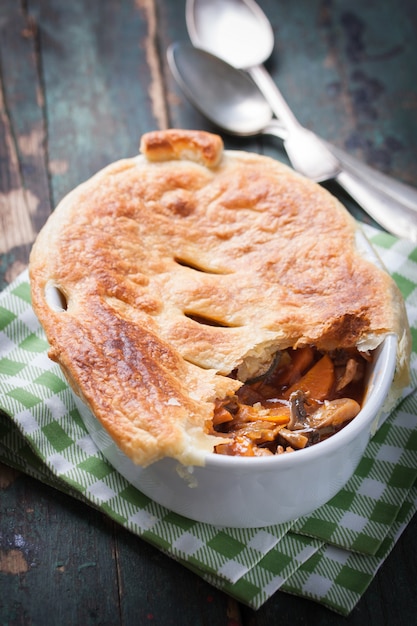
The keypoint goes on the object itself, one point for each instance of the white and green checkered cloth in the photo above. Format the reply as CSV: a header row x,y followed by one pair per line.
x,y
329,556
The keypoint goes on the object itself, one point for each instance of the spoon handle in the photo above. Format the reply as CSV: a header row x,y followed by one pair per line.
x,y
395,216
399,191
273,96
402,192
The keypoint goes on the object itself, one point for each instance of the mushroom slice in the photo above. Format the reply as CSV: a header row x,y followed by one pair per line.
x,y
353,370
298,412
334,413
295,439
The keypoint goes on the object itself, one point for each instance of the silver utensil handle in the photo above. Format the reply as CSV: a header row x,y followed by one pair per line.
x,y
386,209
266,85
394,216
403,193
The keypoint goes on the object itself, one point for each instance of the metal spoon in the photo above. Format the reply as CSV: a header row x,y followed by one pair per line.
x,y
238,32
229,99
224,28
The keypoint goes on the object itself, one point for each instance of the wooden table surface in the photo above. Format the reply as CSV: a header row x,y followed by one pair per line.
x,y
80,82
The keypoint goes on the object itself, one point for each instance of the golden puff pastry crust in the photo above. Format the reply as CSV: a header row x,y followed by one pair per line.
x,y
165,272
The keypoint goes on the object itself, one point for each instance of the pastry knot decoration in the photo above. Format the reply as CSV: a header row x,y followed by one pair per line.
x,y
201,300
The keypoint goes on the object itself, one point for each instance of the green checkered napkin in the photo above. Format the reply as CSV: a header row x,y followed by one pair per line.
x,y
329,556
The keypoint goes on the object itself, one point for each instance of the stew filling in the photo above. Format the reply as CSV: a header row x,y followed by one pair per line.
x,y
304,397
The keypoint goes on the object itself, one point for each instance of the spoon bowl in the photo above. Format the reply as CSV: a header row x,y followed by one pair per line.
x,y
211,22
227,97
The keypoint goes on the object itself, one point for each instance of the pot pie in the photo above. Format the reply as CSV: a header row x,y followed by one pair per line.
x,y
201,300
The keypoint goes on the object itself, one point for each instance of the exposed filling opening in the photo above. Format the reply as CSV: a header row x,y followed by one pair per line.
x,y
305,397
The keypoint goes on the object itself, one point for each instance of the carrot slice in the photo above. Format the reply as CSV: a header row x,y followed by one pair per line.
x,y
317,381
253,414
221,415
301,360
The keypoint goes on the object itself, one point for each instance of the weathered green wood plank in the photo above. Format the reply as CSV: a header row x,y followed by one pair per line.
x,y
24,104
156,590
57,561
348,70
99,89
64,563
24,194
